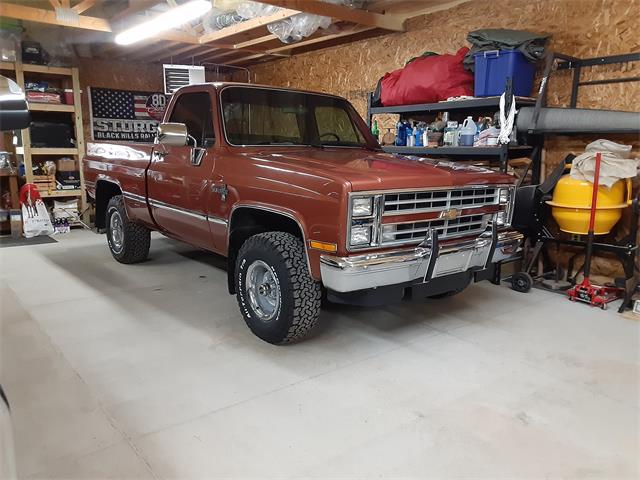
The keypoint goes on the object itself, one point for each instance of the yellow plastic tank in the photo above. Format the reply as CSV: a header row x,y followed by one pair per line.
x,y
571,205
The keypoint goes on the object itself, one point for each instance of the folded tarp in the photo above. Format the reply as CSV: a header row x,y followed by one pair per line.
x,y
530,44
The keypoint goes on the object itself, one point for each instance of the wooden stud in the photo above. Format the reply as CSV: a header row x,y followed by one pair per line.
x,y
25,133
255,41
134,7
39,15
83,6
77,100
242,27
339,12
55,3
310,41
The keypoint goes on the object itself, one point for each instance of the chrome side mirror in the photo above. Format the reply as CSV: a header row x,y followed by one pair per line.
x,y
173,134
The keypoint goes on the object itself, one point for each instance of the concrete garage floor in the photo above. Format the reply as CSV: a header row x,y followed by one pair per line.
x,y
148,371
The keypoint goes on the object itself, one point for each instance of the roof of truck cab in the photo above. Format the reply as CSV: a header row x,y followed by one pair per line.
x,y
221,85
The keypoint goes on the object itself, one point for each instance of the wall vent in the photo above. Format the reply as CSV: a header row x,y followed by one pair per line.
x,y
176,76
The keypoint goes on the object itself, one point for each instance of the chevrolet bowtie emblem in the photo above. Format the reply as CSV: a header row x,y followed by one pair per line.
x,y
451,214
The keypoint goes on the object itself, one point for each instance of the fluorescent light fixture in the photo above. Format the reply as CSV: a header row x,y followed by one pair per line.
x,y
166,21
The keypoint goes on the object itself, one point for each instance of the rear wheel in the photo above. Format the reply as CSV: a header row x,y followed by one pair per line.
x,y
128,241
278,298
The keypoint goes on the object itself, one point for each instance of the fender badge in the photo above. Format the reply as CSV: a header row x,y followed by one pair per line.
x,y
451,214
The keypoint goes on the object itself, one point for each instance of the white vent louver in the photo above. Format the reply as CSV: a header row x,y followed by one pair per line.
x,y
176,76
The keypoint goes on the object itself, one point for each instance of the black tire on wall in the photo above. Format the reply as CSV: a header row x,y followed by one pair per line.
x,y
128,241
277,296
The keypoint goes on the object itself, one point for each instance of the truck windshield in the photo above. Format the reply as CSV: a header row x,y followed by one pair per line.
x,y
260,116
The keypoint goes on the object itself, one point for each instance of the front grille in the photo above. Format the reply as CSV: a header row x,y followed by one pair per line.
x,y
416,231
437,200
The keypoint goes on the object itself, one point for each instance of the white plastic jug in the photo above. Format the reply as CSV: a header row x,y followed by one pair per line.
x,y
467,133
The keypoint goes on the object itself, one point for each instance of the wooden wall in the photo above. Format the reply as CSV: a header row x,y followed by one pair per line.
x,y
582,28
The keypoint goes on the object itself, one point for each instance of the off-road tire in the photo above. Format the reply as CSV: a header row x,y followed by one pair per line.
x,y
300,295
136,237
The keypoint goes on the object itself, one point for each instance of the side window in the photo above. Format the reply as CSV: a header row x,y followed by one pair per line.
x,y
194,110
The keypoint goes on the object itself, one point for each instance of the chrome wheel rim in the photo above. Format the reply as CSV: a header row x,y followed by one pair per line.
x,y
263,290
116,228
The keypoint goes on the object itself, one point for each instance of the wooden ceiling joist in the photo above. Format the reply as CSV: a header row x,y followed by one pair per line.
x,y
39,15
243,27
135,6
310,41
83,6
342,13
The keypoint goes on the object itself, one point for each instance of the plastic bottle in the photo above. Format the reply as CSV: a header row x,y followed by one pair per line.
x,y
467,132
401,136
411,139
375,130
449,139
417,133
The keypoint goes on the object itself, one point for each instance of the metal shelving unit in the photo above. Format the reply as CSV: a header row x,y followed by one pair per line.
x,y
501,153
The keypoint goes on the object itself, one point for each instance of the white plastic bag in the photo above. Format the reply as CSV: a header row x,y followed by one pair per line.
x,y
35,219
302,25
252,9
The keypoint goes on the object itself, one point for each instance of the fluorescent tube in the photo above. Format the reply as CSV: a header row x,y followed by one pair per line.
x,y
166,21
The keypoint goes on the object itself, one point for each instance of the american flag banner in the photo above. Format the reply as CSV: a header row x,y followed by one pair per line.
x,y
124,115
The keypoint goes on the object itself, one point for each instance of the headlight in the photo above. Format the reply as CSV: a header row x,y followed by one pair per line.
x,y
389,233
503,196
360,235
362,207
501,218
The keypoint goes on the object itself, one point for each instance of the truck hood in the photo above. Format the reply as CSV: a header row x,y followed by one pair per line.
x,y
367,170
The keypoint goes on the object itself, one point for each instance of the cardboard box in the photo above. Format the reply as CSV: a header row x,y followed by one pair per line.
x,y
66,165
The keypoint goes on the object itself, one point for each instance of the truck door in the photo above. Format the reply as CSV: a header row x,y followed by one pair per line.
x,y
179,178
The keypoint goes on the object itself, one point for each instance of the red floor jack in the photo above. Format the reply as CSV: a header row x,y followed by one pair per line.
x,y
594,295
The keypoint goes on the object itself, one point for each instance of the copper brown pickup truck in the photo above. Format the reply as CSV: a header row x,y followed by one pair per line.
x,y
291,187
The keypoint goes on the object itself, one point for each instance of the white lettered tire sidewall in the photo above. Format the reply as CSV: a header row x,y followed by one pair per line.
x,y
299,295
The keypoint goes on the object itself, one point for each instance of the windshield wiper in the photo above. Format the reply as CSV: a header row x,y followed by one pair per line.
x,y
316,145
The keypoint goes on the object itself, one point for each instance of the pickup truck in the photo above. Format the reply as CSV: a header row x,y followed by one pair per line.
x,y
293,189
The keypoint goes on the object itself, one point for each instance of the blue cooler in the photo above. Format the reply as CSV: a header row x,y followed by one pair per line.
x,y
493,68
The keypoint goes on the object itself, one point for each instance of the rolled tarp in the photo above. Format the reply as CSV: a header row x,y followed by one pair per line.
x,y
578,120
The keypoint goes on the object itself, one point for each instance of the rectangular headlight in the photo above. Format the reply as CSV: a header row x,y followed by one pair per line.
x,y
503,196
389,233
361,207
501,218
360,235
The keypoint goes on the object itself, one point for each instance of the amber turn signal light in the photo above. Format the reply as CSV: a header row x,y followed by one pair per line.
x,y
325,247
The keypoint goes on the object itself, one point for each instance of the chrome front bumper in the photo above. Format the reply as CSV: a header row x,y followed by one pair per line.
x,y
421,264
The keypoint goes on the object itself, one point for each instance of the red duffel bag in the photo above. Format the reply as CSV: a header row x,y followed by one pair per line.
x,y
427,80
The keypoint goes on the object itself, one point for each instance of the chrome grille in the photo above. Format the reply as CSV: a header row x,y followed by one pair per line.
x,y
437,200
416,231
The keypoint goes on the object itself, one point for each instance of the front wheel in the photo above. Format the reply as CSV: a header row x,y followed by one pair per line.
x,y
278,298
128,241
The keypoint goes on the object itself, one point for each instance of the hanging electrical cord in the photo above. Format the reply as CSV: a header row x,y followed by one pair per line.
x,y
506,121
